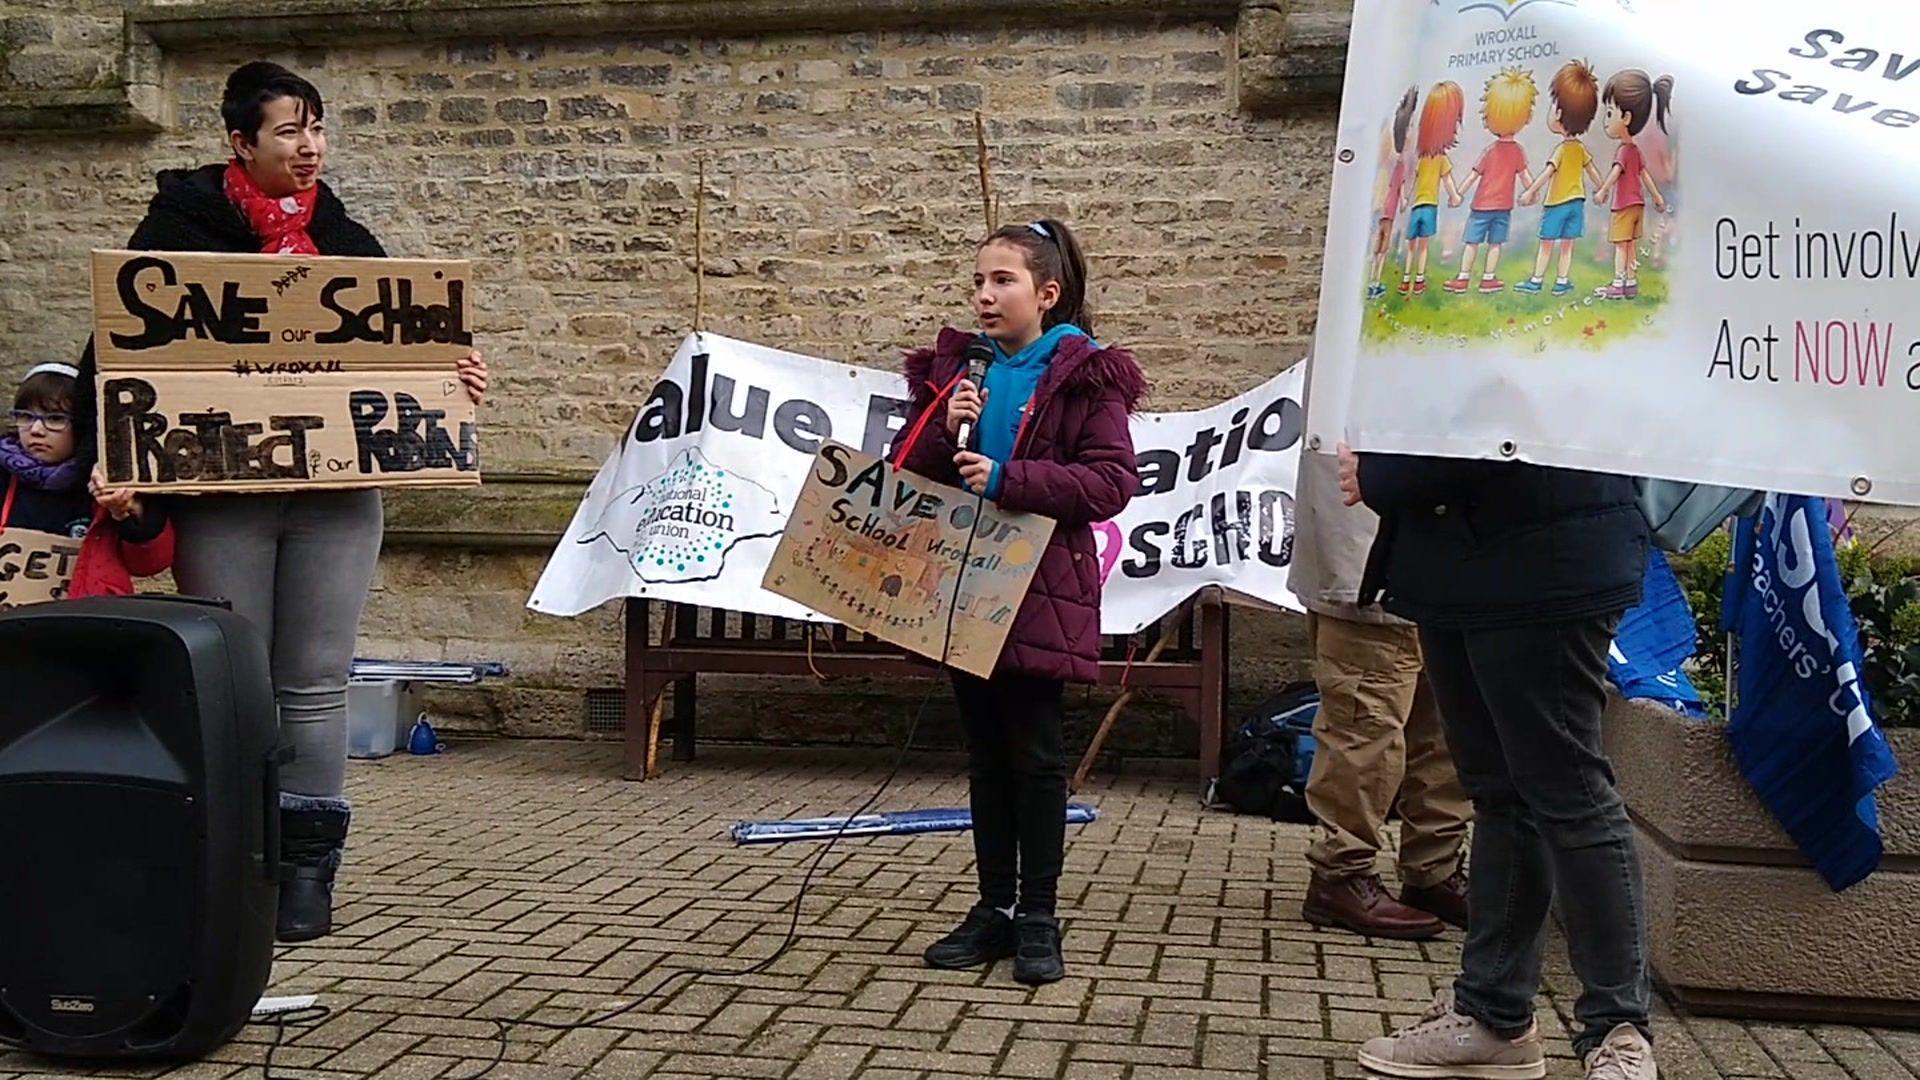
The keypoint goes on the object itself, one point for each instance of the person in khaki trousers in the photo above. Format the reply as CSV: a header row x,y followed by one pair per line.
x,y
1379,734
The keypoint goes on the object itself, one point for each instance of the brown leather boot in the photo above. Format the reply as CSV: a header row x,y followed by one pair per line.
x,y
1445,900
1361,904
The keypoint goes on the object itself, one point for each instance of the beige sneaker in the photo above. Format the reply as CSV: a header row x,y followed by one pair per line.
x,y
1445,1045
1626,1055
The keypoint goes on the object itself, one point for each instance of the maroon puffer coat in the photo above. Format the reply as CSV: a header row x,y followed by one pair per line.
x,y
1072,462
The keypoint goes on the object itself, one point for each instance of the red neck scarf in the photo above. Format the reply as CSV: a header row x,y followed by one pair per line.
x,y
281,224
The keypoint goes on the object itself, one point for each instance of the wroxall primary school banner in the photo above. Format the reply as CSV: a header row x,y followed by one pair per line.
x,y
1673,239
691,504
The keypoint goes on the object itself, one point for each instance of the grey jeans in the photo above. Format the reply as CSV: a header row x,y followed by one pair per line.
x,y
1522,709
299,567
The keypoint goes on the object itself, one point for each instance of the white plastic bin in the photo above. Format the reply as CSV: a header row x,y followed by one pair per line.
x,y
380,715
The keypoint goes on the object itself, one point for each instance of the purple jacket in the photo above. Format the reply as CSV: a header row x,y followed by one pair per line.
x,y
1072,462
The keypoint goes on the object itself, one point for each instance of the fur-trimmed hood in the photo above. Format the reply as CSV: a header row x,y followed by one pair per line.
x,y
1078,368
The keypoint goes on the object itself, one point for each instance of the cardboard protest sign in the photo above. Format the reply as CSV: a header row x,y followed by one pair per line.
x,y
276,372
880,550
35,566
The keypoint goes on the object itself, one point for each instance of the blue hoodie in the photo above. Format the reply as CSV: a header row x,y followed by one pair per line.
x,y
1010,384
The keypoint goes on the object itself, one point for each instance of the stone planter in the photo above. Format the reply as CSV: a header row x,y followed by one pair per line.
x,y
1739,925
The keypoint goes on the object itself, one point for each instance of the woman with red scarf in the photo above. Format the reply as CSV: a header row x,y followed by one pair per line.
x,y
298,565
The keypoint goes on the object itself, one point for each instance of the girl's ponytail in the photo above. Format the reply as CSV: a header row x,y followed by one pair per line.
x,y
1663,95
1053,254
1072,307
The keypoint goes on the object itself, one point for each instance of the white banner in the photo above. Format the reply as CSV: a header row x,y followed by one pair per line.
x,y
1215,506
1672,239
691,504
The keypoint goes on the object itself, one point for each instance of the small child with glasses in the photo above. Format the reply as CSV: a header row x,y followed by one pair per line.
x,y
46,461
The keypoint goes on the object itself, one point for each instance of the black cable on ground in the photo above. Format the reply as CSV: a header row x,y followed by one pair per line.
x,y
313,1015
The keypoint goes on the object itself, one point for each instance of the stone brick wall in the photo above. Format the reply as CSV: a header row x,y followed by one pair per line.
x,y
47,46
843,204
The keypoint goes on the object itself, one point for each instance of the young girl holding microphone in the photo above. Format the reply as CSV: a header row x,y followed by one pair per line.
x,y
1046,434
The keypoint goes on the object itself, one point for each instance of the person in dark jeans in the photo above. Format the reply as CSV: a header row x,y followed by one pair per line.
x,y
1017,772
1517,575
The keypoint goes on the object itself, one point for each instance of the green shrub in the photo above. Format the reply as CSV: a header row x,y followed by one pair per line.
x,y
1884,594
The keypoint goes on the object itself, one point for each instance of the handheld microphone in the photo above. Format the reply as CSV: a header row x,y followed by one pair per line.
x,y
979,361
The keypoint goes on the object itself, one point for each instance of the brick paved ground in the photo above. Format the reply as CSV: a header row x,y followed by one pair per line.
x,y
525,879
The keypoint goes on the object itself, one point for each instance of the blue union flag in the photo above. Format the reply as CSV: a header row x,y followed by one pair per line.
x,y
1802,729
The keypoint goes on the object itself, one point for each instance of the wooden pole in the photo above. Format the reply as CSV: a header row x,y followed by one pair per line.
x,y
1169,629
654,724
700,249
987,202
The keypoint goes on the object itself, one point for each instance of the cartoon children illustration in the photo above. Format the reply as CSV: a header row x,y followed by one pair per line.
x,y
1439,133
1576,99
1392,203
1631,98
1507,108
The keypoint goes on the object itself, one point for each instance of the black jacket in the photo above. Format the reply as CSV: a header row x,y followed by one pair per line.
x,y
1486,544
70,513
62,513
190,212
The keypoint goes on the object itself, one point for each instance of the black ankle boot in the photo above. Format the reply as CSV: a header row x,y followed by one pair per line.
x,y
313,833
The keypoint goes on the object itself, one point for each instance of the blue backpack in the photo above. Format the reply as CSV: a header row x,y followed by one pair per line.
x,y
1269,756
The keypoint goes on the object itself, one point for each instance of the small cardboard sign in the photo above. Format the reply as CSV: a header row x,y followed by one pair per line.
x,y
880,548
35,567
281,372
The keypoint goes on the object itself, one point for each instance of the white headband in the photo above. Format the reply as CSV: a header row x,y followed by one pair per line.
x,y
68,370
1041,229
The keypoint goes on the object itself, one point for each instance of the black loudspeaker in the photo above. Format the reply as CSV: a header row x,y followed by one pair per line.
x,y
139,827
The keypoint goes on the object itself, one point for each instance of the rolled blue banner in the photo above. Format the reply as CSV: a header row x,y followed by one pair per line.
x,y
886,823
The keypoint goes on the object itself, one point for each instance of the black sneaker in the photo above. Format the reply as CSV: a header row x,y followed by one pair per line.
x,y
985,935
1038,960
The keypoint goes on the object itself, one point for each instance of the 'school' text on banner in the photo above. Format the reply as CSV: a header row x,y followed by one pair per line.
x,y
281,372
1668,240
691,504
1215,506
922,565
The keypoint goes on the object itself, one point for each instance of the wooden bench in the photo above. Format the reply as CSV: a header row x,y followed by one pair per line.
x,y
694,641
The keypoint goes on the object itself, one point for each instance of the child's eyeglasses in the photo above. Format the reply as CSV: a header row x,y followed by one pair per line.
x,y
52,421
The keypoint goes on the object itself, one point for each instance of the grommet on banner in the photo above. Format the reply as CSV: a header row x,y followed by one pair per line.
x,y
1862,486
1509,448
1313,442
1346,157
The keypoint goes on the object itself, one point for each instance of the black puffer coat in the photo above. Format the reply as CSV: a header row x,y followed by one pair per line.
x,y
190,212
1487,544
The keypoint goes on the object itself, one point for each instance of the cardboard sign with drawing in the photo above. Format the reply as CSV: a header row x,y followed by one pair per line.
x,y
274,373
880,549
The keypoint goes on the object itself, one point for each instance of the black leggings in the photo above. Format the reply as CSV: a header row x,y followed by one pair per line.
x,y
1018,770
